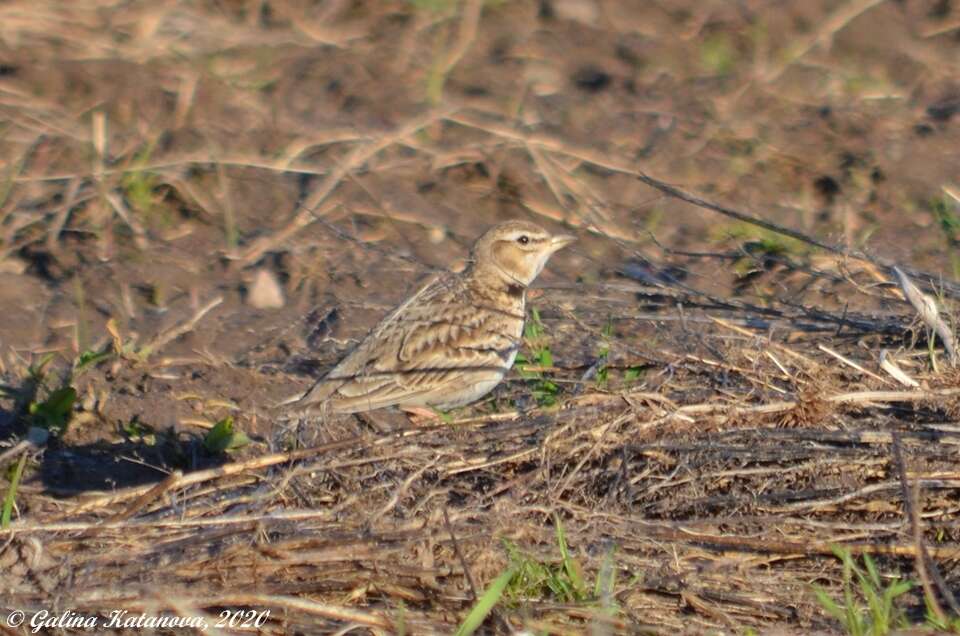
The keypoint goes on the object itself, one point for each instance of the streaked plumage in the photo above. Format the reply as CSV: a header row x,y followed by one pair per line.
x,y
450,343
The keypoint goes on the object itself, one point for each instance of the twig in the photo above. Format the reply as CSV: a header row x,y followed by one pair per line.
x,y
456,550
310,208
851,363
646,531
925,566
600,436
929,314
466,34
138,504
18,448
909,510
604,161
213,473
596,158
402,490
888,365
202,522
139,232
836,21
178,330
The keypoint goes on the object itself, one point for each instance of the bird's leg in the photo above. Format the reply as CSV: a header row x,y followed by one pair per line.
x,y
369,422
420,415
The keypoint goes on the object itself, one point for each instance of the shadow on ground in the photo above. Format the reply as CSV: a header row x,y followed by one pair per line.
x,y
144,455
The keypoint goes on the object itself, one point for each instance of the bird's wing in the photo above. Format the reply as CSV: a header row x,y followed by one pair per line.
x,y
421,347
353,372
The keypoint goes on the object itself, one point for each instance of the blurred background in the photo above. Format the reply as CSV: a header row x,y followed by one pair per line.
x,y
158,154
237,189
256,183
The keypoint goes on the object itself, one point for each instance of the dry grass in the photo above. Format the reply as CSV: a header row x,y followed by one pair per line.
x,y
716,399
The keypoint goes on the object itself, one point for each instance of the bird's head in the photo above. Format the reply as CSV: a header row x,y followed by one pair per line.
x,y
516,251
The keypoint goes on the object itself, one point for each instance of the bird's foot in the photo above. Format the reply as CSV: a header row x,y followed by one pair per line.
x,y
420,415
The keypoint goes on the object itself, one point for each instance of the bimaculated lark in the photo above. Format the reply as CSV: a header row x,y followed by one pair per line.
x,y
451,342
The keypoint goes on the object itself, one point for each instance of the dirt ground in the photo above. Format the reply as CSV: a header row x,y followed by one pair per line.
x,y
204,204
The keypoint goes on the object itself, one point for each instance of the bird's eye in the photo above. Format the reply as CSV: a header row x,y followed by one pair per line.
x,y
523,240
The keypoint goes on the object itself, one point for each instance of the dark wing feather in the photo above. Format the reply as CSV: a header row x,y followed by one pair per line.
x,y
421,347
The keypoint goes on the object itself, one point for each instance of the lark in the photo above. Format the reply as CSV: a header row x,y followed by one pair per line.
x,y
451,342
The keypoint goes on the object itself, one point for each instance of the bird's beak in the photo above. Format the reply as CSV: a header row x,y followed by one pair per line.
x,y
560,241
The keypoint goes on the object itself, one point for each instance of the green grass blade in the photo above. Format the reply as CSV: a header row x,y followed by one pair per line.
x,y
546,357
12,492
878,611
899,587
224,436
484,605
829,604
36,370
872,571
604,590
569,565
89,359
606,578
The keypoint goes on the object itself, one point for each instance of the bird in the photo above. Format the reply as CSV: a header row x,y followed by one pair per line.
x,y
451,342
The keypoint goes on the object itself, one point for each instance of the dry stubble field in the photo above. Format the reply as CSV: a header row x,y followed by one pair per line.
x,y
203,204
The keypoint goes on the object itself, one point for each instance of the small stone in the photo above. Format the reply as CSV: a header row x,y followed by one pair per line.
x,y
89,402
543,79
265,292
372,233
583,11
12,265
436,234
37,435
